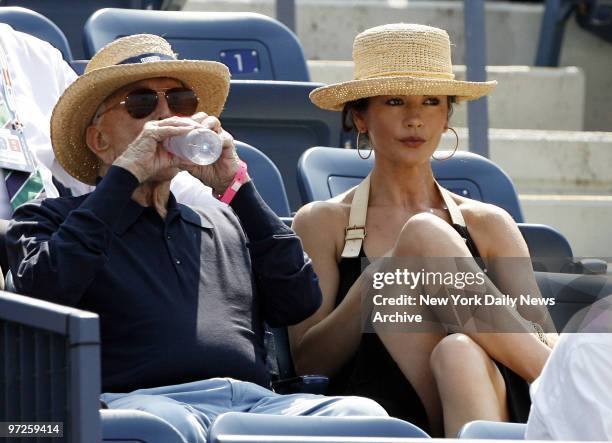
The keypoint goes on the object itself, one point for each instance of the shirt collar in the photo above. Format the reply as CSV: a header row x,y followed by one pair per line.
x,y
133,211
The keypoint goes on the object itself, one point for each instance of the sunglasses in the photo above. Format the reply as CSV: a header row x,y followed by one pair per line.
x,y
142,102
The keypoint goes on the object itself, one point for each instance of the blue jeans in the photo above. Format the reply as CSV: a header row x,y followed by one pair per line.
x,y
192,407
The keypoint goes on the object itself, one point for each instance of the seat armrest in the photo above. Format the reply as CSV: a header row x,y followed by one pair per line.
x,y
130,425
587,266
287,220
304,384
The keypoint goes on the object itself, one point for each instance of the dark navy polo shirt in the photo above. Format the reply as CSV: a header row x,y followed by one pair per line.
x,y
180,299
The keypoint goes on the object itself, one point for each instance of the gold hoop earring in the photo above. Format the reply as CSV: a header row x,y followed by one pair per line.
x,y
363,142
454,150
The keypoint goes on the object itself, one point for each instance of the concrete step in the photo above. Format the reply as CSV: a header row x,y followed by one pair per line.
x,y
326,29
549,162
512,104
585,220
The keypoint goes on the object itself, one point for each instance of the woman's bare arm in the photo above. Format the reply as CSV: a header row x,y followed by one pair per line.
x,y
324,342
509,263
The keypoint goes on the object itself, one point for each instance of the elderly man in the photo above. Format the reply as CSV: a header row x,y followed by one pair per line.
x,y
182,292
34,77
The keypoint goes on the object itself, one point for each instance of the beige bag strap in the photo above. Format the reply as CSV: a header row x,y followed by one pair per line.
x,y
355,232
453,209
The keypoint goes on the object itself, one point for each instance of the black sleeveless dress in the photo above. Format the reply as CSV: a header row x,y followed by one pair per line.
x,y
373,373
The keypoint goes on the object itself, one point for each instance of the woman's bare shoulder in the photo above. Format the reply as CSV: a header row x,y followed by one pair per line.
x,y
482,214
323,221
493,228
335,210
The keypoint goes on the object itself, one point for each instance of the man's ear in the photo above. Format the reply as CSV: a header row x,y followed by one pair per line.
x,y
95,140
98,144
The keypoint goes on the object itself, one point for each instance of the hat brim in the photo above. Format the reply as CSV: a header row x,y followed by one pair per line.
x,y
334,97
75,109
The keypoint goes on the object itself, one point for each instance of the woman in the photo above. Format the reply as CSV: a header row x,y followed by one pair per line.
x,y
400,103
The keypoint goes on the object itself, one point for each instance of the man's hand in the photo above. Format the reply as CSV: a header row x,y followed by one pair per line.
x,y
220,174
146,156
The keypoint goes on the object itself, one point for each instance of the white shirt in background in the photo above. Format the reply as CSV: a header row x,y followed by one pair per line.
x,y
572,398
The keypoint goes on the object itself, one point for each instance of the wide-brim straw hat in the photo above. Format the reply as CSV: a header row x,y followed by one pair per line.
x,y
400,59
124,61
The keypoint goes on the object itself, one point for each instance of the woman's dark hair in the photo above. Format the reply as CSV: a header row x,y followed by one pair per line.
x,y
452,99
361,105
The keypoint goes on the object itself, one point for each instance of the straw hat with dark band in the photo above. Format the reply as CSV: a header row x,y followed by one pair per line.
x,y
124,61
400,59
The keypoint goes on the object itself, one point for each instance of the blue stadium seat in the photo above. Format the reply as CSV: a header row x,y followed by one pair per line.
x,y
594,16
325,172
79,66
253,46
70,15
279,119
236,427
266,177
491,430
572,293
33,23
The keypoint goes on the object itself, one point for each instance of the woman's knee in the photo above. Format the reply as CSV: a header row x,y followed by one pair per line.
x,y
456,357
426,233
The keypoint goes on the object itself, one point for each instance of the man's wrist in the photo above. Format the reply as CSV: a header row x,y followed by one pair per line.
x,y
131,167
226,185
240,178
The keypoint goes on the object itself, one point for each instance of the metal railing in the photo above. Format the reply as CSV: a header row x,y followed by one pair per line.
x,y
49,366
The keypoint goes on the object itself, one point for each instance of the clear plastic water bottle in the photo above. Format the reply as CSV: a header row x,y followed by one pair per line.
x,y
200,146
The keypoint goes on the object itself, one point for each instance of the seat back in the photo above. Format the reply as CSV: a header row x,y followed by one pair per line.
x,y
279,119
79,66
266,178
492,430
572,294
50,366
325,172
33,23
253,46
595,16
70,15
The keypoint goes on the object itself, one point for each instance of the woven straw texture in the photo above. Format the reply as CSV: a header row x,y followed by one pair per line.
x,y
77,106
403,59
